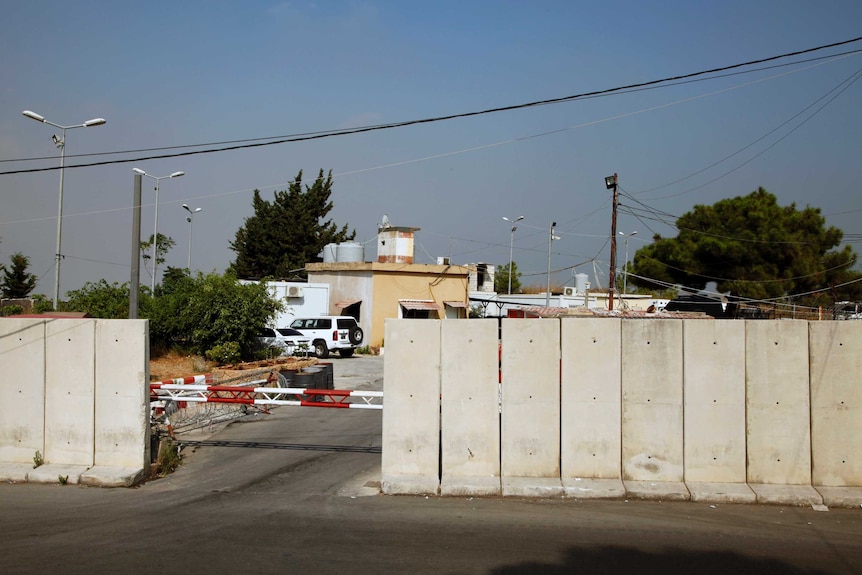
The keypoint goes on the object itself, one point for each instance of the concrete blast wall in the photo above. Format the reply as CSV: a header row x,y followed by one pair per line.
x,y
729,411
74,390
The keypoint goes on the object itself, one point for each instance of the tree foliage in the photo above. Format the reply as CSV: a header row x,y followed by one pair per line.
x,y
501,279
750,246
197,314
100,299
17,282
166,244
285,234
210,310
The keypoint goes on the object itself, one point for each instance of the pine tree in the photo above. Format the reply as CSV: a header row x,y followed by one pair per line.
x,y
17,283
287,233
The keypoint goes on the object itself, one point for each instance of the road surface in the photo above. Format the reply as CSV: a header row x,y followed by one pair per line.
x,y
296,492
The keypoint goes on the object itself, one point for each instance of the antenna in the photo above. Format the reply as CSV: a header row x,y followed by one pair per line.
x,y
596,274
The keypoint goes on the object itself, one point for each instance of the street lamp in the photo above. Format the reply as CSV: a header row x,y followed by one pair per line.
x,y
60,142
626,268
190,220
156,227
512,243
551,239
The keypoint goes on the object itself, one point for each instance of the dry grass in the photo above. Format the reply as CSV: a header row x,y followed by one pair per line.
x,y
174,365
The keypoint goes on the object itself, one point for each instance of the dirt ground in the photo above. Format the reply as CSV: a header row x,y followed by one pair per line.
x,y
172,366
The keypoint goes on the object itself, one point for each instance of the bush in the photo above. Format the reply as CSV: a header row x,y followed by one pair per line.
x,y
8,310
228,352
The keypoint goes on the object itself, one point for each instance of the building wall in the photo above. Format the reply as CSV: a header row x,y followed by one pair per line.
x,y
380,286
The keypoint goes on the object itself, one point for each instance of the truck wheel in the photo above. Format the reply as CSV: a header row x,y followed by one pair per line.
x,y
320,349
345,352
356,335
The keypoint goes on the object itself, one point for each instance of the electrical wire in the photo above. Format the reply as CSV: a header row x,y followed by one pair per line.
x,y
327,134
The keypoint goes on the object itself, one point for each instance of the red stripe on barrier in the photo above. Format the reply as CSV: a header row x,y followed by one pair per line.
x,y
322,404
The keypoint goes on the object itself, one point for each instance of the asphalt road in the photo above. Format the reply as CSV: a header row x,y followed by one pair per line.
x,y
296,492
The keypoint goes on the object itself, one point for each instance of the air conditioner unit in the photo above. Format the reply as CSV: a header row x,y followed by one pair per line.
x,y
294,291
570,291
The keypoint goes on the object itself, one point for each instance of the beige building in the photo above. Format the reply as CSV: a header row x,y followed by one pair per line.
x,y
393,286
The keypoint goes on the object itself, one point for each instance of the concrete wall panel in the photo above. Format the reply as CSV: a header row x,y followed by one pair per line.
x,y
121,393
778,412
531,398
714,411
69,391
652,425
470,414
22,389
836,403
411,413
590,398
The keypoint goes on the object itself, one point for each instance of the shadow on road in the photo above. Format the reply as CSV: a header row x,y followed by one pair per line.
x,y
273,445
615,560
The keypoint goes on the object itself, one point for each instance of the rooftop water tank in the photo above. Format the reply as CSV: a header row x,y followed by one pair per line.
x,y
581,284
350,252
329,253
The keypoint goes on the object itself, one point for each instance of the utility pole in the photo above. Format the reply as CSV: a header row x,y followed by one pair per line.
x,y
611,183
134,284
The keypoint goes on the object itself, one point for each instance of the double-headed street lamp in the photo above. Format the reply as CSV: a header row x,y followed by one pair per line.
x,y
511,244
190,220
156,227
60,142
626,268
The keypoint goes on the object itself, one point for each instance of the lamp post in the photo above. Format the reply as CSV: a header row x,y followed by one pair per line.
x,y
551,239
190,220
511,244
626,268
611,183
61,144
156,226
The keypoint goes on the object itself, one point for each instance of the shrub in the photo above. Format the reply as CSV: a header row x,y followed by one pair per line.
x,y
8,310
228,352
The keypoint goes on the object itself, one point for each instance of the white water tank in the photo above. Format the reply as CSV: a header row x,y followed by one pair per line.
x,y
350,252
329,253
582,283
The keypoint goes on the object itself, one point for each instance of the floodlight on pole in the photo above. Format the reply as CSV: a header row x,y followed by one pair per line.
x,y
626,265
511,244
190,220
60,142
156,224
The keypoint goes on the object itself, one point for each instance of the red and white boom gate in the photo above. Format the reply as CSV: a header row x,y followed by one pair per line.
x,y
250,395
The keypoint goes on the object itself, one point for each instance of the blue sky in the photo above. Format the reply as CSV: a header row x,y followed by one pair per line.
x,y
182,73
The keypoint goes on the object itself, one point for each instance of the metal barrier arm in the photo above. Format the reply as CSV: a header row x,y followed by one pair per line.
x,y
334,398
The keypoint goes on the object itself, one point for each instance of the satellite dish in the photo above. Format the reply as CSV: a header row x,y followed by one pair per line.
x,y
385,222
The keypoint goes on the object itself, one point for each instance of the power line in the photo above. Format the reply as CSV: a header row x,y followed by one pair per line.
x,y
830,57
327,134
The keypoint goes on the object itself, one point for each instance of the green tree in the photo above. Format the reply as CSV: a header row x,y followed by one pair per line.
x,y
197,313
501,279
100,299
750,246
17,282
285,234
166,244
219,309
